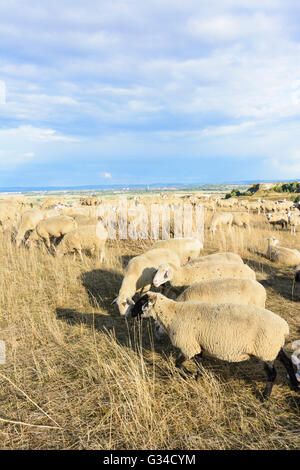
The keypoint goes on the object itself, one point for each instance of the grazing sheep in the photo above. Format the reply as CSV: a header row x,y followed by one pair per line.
x,y
241,219
90,201
253,206
283,255
221,220
228,290
190,274
185,248
229,332
8,213
294,221
29,221
90,238
278,219
53,227
85,220
139,274
218,258
49,203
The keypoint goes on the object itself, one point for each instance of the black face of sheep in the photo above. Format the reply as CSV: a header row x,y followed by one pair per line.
x,y
141,307
297,276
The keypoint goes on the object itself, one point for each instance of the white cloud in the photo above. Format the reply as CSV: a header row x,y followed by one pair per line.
x,y
29,154
234,27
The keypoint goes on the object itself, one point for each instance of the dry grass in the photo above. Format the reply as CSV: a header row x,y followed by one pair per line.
x,y
80,377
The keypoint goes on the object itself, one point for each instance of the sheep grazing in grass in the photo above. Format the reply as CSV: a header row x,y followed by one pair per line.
x,y
190,274
283,255
229,332
29,221
53,227
218,258
90,238
85,220
185,248
280,220
221,220
139,275
228,290
8,213
241,219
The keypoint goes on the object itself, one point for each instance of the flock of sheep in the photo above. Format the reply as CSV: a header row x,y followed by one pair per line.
x,y
211,304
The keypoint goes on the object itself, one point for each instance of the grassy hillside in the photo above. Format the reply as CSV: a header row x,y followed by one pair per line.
x,y
80,377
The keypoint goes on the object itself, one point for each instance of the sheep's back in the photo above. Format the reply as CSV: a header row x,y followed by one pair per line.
x,y
229,332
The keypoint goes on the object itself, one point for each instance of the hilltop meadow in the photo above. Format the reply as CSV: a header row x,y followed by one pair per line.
x,y
80,376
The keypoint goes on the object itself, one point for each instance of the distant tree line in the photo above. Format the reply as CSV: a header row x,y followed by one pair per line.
x,y
278,188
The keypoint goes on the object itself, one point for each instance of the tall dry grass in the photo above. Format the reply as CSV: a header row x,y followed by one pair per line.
x,y
78,376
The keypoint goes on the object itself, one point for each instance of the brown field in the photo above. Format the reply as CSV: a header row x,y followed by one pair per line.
x,y
78,376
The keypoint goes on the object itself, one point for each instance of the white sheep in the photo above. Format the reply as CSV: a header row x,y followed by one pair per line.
x,y
221,220
218,258
228,290
229,332
29,221
183,276
52,227
8,213
139,275
294,221
185,248
85,220
287,256
280,219
241,219
90,238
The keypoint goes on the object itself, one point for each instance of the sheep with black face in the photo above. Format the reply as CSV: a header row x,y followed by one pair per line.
x,y
229,332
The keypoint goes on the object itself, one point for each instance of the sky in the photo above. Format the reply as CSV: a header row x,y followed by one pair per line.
x,y
140,92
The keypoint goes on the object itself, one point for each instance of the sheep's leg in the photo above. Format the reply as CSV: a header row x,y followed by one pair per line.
x,y
179,363
285,360
271,376
80,254
198,365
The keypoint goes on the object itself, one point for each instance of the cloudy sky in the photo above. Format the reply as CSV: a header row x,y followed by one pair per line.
x,y
131,91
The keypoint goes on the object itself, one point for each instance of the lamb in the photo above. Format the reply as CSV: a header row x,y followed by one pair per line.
x,y
220,220
88,237
218,258
185,248
190,274
283,255
53,227
139,274
29,221
228,290
226,331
